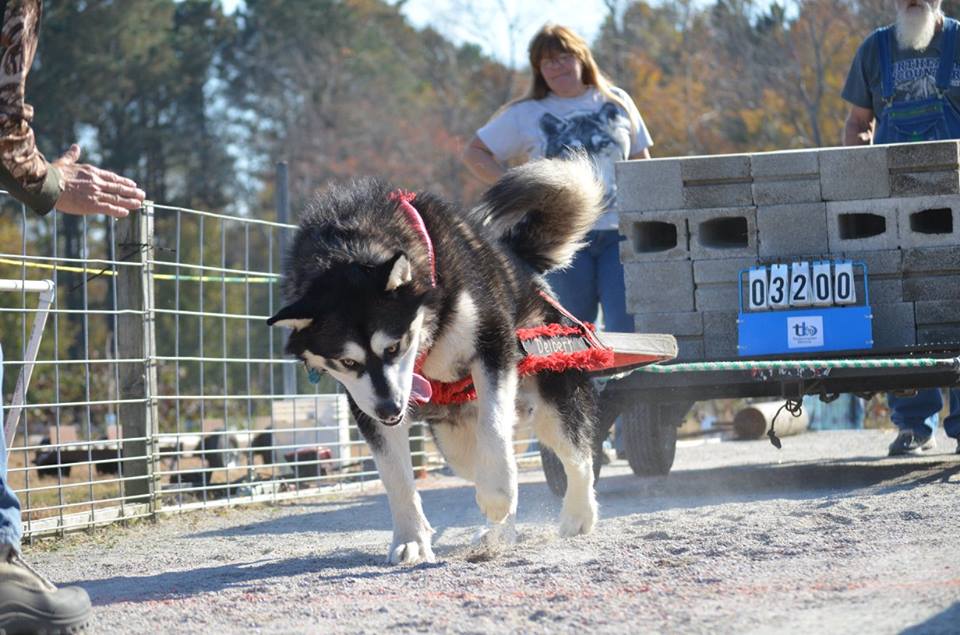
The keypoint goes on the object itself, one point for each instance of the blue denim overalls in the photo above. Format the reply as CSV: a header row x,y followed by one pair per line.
x,y
919,119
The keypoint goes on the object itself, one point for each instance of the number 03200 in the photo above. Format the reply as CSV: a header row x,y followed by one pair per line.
x,y
801,284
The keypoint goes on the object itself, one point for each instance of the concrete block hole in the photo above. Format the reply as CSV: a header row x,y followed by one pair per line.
x,y
654,236
932,221
861,225
724,233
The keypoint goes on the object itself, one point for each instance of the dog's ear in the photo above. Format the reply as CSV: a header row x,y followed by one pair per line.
x,y
295,316
401,272
550,124
609,111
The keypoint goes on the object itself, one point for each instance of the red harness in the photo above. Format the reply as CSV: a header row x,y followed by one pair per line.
x,y
595,357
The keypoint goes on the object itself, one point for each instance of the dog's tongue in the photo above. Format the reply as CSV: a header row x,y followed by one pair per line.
x,y
421,391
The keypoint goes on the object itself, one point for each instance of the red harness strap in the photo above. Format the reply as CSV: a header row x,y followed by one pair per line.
x,y
416,221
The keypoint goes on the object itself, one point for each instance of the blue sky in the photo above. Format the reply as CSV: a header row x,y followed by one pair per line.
x,y
502,28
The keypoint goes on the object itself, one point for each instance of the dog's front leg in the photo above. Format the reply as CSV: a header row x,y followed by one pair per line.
x,y
390,446
496,467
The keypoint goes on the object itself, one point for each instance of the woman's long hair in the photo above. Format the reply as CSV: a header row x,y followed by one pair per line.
x,y
554,39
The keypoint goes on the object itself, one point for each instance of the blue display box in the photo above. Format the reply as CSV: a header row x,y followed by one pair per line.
x,y
806,330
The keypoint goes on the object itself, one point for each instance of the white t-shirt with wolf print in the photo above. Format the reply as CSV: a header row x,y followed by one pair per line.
x,y
554,126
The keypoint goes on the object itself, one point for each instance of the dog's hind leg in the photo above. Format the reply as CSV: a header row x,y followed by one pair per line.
x,y
391,452
564,423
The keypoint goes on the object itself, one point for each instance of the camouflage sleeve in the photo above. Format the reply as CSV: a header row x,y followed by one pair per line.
x,y
28,175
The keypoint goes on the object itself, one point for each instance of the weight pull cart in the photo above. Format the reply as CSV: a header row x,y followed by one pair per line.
x,y
790,345
779,359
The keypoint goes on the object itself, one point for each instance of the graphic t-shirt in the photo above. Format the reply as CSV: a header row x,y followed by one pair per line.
x,y
556,126
914,74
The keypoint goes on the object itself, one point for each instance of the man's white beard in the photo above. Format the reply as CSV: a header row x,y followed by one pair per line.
x,y
916,27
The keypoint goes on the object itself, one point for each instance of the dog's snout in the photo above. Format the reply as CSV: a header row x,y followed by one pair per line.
x,y
389,411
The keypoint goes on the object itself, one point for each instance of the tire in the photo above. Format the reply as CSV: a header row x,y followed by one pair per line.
x,y
649,438
556,476
221,451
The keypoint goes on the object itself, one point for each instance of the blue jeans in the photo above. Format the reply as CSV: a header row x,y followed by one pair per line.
x,y
912,413
11,529
594,279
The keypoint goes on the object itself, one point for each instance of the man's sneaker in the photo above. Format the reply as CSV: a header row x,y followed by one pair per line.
x,y
909,443
29,603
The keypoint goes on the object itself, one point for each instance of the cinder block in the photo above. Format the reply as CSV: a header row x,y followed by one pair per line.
x,y
885,262
916,157
716,181
929,221
938,312
659,287
720,334
725,232
865,225
883,290
791,176
718,297
849,174
938,334
931,260
925,183
921,288
784,163
689,349
720,270
653,236
792,230
893,325
685,324
783,191
716,168
649,184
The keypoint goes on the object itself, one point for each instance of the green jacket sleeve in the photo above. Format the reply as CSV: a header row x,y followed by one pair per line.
x,y
40,202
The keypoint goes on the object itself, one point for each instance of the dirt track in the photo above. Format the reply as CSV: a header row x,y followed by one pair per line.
x,y
823,536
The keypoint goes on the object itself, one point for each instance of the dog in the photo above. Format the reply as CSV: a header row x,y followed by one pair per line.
x,y
384,299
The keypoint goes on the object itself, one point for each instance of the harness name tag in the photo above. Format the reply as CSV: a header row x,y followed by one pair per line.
x,y
550,345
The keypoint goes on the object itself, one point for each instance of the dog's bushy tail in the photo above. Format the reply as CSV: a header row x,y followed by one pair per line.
x,y
542,210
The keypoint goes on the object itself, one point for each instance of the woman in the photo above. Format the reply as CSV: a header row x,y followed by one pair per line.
x,y
569,107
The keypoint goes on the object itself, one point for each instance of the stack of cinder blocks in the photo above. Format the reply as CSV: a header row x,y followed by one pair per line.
x,y
692,224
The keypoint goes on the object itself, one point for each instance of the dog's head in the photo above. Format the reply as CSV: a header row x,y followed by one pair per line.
x,y
362,323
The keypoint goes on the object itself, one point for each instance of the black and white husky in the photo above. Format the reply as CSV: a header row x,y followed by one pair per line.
x,y
381,304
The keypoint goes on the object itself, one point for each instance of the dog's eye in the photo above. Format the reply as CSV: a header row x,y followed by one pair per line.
x,y
349,363
393,349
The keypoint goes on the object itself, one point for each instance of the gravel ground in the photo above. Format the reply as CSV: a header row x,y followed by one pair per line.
x,y
822,536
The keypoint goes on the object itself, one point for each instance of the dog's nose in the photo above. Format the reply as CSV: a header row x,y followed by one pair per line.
x,y
389,411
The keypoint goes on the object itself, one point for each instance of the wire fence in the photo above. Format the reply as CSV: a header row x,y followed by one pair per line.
x,y
157,386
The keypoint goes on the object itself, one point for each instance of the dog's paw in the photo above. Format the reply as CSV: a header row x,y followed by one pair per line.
x,y
411,552
495,504
578,519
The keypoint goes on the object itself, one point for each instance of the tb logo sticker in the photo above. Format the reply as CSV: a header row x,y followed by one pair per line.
x,y
804,332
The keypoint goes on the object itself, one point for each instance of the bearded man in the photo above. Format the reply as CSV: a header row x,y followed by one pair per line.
x,y
904,85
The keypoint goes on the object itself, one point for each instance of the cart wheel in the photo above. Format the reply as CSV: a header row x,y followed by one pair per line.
x,y
649,438
556,476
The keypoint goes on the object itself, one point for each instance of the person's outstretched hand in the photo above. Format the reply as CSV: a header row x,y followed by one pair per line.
x,y
88,189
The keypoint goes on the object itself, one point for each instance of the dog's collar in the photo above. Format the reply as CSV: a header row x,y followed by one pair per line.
x,y
416,221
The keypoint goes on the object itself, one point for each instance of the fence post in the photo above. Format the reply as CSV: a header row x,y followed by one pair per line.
x,y
136,340
283,216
